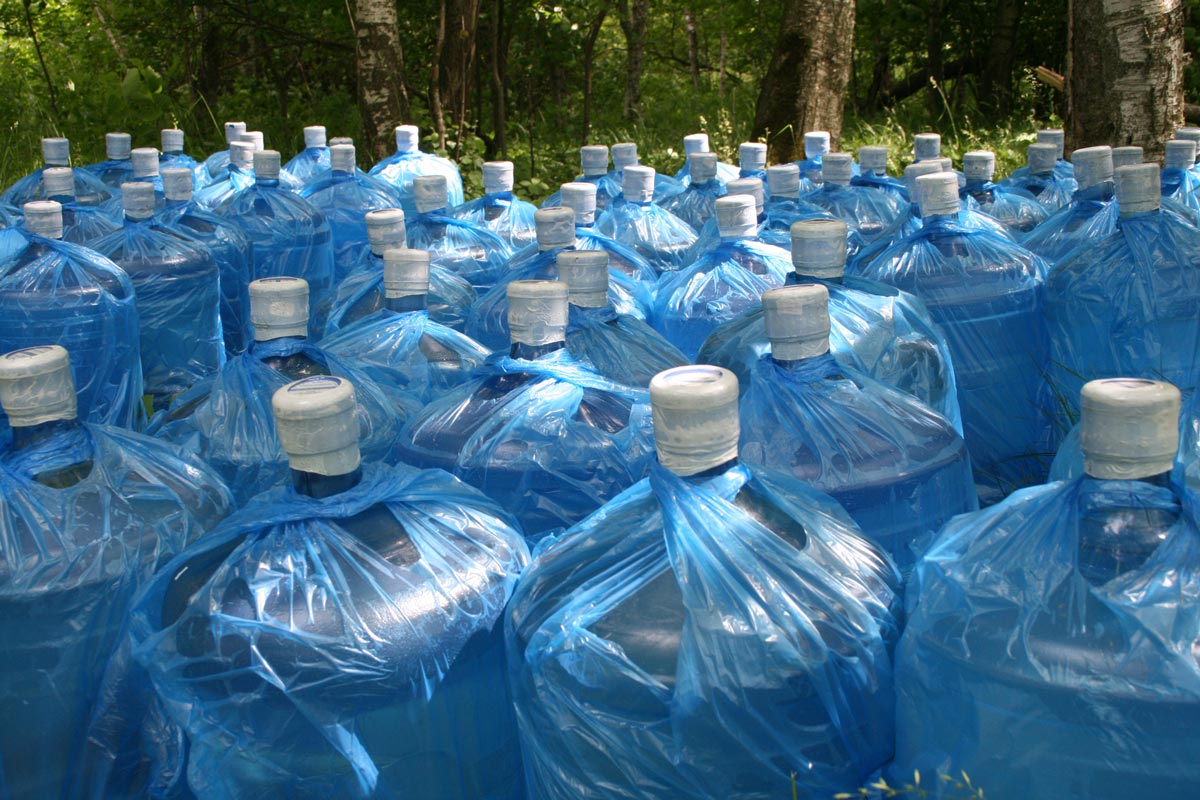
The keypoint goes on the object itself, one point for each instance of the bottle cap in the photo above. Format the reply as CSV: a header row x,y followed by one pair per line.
x,y
695,143
695,410
340,140
837,168
1129,428
1054,136
585,272
752,156
873,158
177,183
702,166
938,194
819,247
1041,158
947,164
117,146
145,162
537,312
750,186
314,136
816,144
43,218
341,158
916,170
736,216
554,227
386,229
624,154
497,177
797,321
405,272
36,386
1192,134
979,165
1139,189
927,146
279,308
637,183
593,158
430,192
408,138
255,138
1180,154
266,165
241,155
56,152
234,131
172,140
581,198
1093,166
317,422
58,182
137,199
783,180
1127,156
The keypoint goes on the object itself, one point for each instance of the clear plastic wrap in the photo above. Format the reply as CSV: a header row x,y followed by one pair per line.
x,y
349,646
474,253
697,203
345,198
503,214
1053,190
361,294
1182,187
548,438
870,213
85,224
1015,209
89,191
232,181
1091,215
709,638
621,347
399,169
308,165
659,236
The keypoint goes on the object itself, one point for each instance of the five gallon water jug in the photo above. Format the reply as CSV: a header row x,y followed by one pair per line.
x,y
229,246
1051,649
695,143
625,154
783,207
116,168
340,637
487,320
752,160
468,250
174,157
81,224
89,190
216,164
89,513
898,467
1180,182
1017,209
816,145
581,198
621,346
237,176
52,292
1126,305
362,292
986,293
1091,214
344,197
537,429
1040,179
1058,138
408,163
873,165
227,421
658,235
499,210
717,631
177,287
696,204
870,213
723,283
876,329
314,160
145,170
593,162
709,236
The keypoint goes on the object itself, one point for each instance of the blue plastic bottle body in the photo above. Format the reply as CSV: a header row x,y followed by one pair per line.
x,y
89,191
623,348
308,165
659,236
361,294
1091,215
345,199
503,214
472,252
399,169
697,203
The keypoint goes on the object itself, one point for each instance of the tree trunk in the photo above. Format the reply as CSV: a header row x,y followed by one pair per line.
x,y
499,79
933,58
435,83
589,64
634,21
382,99
995,88
1124,73
804,87
461,21
693,36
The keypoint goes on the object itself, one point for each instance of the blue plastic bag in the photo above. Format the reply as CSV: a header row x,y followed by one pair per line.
x,y
173,157
312,162
696,204
471,252
499,210
622,347
89,190
235,178
656,234
872,214
1016,209
216,163
361,294
408,162
82,224
116,168
1090,216
1052,187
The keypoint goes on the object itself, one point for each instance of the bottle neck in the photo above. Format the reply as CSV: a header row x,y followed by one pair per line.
x,y
797,278
1101,192
939,219
530,352
272,182
1162,480
30,435
405,304
794,364
319,487
711,472
63,199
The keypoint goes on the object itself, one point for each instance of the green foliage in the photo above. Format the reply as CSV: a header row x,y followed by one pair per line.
x,y
950,787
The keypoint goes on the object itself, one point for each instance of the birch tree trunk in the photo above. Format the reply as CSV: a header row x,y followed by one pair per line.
x,y
382,98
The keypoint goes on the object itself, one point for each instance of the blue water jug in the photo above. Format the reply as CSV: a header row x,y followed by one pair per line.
x,y
1016,209
408,163
697,203
237,176
216,164
314,160
872,214
693,144
1052,188
1091,214
593,162
625,154
56,152
752,160
174,157
499,210
581,198
116,167
1180,181
81,224
634,219
468,250
873,171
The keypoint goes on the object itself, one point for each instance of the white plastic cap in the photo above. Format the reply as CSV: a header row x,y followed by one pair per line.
x,y
145,162
255,138
177,183
554,227
914,171
1129,428
234,131
314,136
1139,189
979,165
43,218
386,229
137,199
947,164
58,182
593,159
783,180
408,138
1093,165
36,385
816,144
117,146
405,272
1054,136
1041,158
56,151
340,140
752,155
927,146
266,165
695,411
497,177
581,198
279,308
695,143
819,247
1192,134
938,194
873,158
341,158
241,154
430,192
624,154
750,186
1127,156
1180,154
172,140
797,321
537,312
317,422
702,167
837,168
736,216
585,272
637,183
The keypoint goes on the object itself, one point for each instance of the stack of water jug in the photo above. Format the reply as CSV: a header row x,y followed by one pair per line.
x,y
748,482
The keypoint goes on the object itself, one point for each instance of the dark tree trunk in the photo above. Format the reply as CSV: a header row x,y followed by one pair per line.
x,y
693,36
499,79
435,83
589,65
634,21
996,82
461,21
804,87
382,99
933,57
